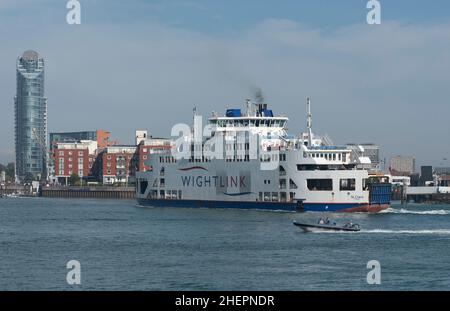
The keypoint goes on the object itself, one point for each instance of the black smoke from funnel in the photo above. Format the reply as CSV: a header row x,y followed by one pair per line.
x,y
259,96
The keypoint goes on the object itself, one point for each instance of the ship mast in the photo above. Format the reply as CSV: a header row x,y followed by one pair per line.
x,y
309,121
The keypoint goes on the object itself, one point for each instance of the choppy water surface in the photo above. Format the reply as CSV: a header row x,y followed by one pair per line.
x,y
125,247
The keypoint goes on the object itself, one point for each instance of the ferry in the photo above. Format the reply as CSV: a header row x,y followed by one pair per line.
x,y
249,161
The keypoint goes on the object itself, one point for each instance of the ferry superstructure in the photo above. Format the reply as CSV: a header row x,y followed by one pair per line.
x,y
283,172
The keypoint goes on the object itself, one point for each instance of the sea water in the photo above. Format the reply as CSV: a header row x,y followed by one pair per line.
x,y
122,246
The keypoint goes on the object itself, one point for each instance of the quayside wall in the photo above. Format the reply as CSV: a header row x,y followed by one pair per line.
x,y
89,192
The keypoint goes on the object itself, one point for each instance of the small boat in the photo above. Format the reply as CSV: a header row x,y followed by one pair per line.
x,y
348,227
11,196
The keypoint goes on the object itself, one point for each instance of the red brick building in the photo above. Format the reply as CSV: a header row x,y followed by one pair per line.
x,y
116,164
75,158
146,148
146,145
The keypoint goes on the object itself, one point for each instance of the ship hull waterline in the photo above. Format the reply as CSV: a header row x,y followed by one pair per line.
x,y
272,206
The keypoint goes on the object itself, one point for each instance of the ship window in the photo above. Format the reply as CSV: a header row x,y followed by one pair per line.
x,y
143,186
292,184
320,184
260,196
339,157
275,196
348,184
266,196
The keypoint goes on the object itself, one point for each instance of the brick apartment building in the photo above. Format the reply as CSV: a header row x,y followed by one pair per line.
x,y
74,158
116,164
146,146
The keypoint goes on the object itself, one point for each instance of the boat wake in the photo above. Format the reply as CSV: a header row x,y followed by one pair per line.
x,y
426,231
406,211
384,231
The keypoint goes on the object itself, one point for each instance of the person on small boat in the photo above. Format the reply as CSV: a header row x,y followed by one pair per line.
x,y
321,221
349,225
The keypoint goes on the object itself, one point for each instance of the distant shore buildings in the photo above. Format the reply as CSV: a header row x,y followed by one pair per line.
x,y
99,160
402,165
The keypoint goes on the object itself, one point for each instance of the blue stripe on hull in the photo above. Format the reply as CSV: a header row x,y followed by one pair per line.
x,y
274,206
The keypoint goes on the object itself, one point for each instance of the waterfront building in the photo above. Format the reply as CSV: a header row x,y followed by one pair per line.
x,y
116,163
426,174
30,106
402,165
442,170
100,136
443,180
75,158
146,146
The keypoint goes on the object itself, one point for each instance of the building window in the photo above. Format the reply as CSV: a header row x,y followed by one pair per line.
x,y
61,153
80,153
320,184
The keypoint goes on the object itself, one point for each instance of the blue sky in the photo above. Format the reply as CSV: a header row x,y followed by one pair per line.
x,y
145,64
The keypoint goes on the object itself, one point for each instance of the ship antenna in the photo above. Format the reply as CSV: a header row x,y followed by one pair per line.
x,y
309,121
